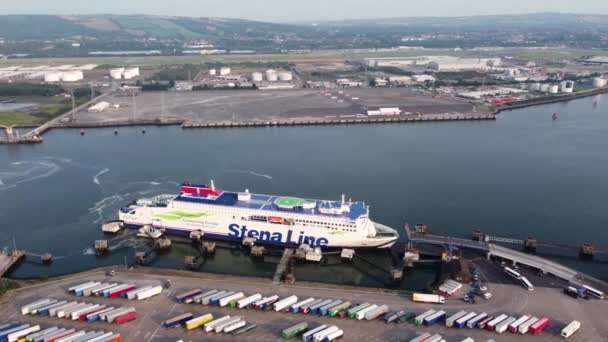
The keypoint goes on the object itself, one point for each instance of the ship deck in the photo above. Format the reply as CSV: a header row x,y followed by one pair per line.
x,y
268,203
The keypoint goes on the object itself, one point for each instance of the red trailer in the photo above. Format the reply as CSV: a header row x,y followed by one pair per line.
x,y
83,317
126,318
539,326
114,338
119,292
67,333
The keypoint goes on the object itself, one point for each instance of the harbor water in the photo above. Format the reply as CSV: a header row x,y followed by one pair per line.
x,y
521,175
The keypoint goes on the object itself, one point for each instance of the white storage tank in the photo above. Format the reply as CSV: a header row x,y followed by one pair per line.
x,y
257,77
212,72
285,76
554,89
131,73
117,73
72,76
225,71
567,86
271,75
52,77
599,82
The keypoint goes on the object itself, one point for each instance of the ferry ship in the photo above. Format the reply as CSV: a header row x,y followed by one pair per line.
x,y
286,221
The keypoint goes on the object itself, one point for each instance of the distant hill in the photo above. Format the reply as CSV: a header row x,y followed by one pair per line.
x,y
553,21
81,35
15,27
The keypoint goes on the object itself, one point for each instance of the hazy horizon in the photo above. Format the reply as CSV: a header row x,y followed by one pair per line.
x,y
311,10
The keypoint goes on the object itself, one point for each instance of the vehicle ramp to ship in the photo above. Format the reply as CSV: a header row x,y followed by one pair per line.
x,y
490,249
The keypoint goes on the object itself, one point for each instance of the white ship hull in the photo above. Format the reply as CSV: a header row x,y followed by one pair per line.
x,y
226,223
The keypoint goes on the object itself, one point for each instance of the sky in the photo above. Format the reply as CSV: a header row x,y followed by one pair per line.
x,y
302,10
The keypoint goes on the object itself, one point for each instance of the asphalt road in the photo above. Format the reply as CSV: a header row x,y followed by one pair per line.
x,y
509,298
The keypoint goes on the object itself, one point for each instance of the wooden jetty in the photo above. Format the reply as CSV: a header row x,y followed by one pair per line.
x,y
8,260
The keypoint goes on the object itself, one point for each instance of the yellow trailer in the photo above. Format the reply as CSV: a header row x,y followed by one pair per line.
x,y
199,321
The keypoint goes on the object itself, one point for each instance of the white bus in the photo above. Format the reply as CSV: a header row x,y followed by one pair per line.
x,y
526,283
594,292
512,272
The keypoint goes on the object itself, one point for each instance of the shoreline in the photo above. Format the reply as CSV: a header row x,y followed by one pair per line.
x,y
186,124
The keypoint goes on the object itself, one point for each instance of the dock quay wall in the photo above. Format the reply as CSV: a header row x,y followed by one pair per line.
x,y
313,121
551,99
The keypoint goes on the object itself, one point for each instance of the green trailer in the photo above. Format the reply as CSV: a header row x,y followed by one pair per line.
x,y
353,312
295,330
337,309
246,328
406,317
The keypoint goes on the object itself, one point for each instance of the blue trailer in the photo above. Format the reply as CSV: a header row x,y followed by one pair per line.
x,y
325,308
216,300
314,310
434,318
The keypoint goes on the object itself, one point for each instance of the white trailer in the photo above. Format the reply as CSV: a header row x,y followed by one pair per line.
x,y
307,336
73,288
428,298
232,327
53,311
102,337
211,325
99,290
244,302
570,329
151,292
296,307
197,298
91,290
361,313
473,322
226,300
14,336
449,322
76,314
521,320
36,335
435,338
320,336
26,308
207,299
133,293
79,291
504,325
67,312
71,337
285,303
524,327
334,335
220,327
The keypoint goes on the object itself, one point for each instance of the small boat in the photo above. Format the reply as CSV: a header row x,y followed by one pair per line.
x,y
149,231
555,116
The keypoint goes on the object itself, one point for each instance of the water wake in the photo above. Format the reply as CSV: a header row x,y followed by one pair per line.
x,y
96,177
253,173
38,170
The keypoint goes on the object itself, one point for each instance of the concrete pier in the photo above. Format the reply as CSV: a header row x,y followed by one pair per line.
x,y
8,260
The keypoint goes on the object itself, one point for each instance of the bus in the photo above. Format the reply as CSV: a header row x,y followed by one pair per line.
x,y
594,292
512,272
526,283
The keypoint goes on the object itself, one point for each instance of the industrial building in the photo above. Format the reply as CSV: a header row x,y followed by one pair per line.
x,y
437,63
99,107
124,73
384,111
63,73
225,71
447,63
